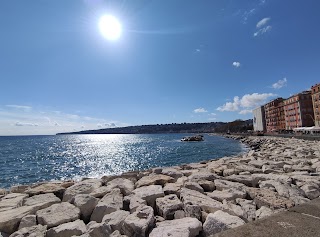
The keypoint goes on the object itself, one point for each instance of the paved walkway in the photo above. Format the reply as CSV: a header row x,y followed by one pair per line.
x,y
299,221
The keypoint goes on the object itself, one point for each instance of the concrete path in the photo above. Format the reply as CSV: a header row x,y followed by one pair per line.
x,y
299,221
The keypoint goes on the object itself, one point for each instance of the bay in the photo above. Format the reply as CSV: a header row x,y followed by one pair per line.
x,y
31,159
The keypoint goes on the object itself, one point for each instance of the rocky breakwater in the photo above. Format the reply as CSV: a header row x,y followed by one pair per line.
x,y
199,199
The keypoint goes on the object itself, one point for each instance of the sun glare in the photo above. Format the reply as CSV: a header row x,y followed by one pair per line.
x,y
110,27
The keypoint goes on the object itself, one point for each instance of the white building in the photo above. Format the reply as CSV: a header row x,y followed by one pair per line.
x,y
259,121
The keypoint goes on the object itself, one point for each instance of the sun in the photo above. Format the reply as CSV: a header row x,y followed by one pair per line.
x,y
110,27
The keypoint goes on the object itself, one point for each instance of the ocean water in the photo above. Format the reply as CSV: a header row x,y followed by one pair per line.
x,y
31,159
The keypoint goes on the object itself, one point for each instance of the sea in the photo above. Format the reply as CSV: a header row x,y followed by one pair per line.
x,y
32,159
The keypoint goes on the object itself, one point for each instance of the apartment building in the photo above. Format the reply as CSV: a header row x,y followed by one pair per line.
x,y
274,115
259,122
298,110
315,93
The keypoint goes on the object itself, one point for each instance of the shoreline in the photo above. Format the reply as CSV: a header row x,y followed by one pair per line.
x,y
272,176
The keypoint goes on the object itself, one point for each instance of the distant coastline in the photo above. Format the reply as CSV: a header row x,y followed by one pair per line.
x,y
219,127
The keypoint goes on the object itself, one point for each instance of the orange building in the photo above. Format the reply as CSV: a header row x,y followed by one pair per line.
x,y
315,92
298,111
274,114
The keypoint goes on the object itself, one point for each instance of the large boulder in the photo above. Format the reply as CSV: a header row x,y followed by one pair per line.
x,y
41,201
33,231
174,173
55,188
86,203
202,175
219,221
126,186
206,203
139,223
111,202
193,186
115,219
149,193
95,229
172,188
249,208
135,202
225,184
227,194
265,197
247,180
185,227
83,187
311,190
12,200
28,221
10,219
68,229
100,192
154,179
58,214
167,206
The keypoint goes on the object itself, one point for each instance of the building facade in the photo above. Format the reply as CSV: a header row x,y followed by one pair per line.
x,y
259,121
274,115
315,93
298,111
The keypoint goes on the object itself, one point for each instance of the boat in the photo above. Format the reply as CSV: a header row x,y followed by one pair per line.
x,y
197,138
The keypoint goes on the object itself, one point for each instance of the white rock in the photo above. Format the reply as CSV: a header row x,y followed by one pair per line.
x,y
264,212
249,208
227,194
68,229
126,186
167,206
115,219
28,221
95,229
100,192
149,193
42,200
83,187
136,202
33,231
58,214
111,202
185,227
219,221
139,222
12,200
225,184
86,203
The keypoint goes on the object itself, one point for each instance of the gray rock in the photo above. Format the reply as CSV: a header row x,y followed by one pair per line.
x,y
139,223
58,214
202,175
10,219
225,185
42,201
83,187
135,202
174,173
149,193
311,190
95,229
227,194
33,231
68,229
172,188
111,202
247,180
193,186
249,208
206,203
185,227
100,192
219,221
126,186
19,188
115,219
55,188
179,214
208,186
28,221
263,212
167,206
234,210
117,234
193,211
265,197
228,172
86,203
12,200
154,179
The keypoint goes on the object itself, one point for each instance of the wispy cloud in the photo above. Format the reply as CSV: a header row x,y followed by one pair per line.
x,y
263,27
279,84
236,64
263,22
21,107
246,111
246,103
247,14
20,124
200,110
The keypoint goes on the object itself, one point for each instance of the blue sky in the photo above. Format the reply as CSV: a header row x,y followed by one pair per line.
x,y
176,61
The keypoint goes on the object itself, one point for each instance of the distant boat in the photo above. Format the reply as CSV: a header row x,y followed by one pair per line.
x,y
197,138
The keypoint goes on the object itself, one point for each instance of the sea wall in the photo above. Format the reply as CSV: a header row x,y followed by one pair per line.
x,y
198,199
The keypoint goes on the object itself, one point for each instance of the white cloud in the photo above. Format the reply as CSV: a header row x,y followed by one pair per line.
x,y
236,64
247,14
200,110
262,31
213,114
20,124
22,107
263,22
245,111
247,102
279,84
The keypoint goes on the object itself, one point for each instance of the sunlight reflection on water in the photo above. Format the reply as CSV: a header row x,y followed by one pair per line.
x,y
37,158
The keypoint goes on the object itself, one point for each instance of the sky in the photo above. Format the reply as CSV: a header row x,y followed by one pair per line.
x,y
175,61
